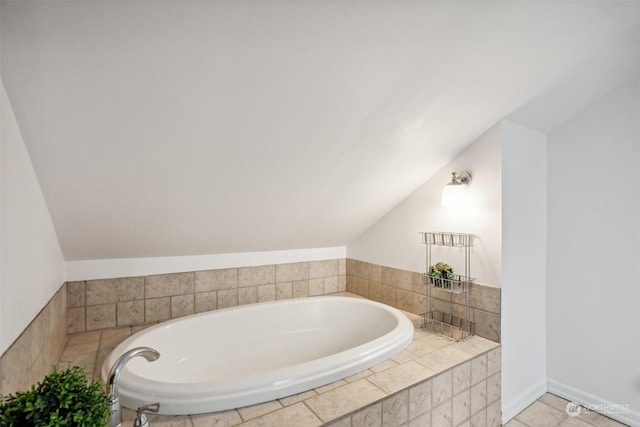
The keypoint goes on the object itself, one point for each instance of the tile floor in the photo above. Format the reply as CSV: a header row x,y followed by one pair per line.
x,y
550,411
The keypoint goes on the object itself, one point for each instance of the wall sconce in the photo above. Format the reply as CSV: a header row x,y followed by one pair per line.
x,y
453,194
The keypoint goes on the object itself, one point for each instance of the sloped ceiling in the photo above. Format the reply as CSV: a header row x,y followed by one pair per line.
x,y
177,128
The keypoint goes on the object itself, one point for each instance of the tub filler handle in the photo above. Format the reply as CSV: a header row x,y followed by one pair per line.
x,y
141,418
115,411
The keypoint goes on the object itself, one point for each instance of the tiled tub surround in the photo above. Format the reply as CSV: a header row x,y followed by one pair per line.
x,y
131,301
404,290
38,348
434,382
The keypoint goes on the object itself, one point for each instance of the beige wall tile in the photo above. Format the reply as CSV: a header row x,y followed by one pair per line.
x,y
418,303
101,316
461,377
227,298
479,419
478,369
215,280
395,409
76,294
343,422
342,267
342,283
423,420
442,388
76,320
493,388
368,271
330,285
130,313
362,287
371,416
494,361
486,298
404,299
487,325
301,288
441,415
389,295
316,287
182,305
266,293
114,290
206,301
284,290
352,267
401,279
342,400
157,309
494,415
446,307
164,285
461,407
351,284
324,268
292,272
253,276
418,285
420,399
478,397
248,295
16,374
375,291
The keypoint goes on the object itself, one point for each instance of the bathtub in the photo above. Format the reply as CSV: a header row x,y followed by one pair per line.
x,y
250,354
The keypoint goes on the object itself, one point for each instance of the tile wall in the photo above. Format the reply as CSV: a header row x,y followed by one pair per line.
x,y
130,301
37,349
404,289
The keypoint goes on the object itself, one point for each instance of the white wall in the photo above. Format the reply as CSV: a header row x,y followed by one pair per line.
x,y
593,294
127,267
395,241
31,259
524,198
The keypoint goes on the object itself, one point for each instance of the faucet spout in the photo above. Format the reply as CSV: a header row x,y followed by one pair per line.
x,y
115,413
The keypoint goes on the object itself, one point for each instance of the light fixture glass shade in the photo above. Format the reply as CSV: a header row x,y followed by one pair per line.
x,y
455,192
453,195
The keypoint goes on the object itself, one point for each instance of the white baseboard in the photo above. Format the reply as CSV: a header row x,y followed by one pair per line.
x,y
593,402
512,407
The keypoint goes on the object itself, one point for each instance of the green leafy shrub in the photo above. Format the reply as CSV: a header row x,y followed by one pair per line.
x,y
439,273
63,398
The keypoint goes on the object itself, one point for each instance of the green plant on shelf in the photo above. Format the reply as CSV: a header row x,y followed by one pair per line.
x,y
440,274
63,398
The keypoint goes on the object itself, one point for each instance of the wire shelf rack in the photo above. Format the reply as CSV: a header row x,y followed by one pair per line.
x,y
443,238
446,323
449,325
456,283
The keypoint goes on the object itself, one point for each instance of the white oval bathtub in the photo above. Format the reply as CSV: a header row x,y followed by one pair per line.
x,y
255,353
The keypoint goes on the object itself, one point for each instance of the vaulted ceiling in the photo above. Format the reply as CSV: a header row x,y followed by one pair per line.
x,y
178,128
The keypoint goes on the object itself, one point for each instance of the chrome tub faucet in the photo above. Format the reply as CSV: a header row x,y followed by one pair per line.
x,y
115,411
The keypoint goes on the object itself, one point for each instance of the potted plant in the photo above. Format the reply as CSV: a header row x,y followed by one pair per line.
x,y
63,398
439,274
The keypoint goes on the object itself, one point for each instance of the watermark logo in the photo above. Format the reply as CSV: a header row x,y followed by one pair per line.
x,y
573,409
